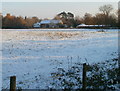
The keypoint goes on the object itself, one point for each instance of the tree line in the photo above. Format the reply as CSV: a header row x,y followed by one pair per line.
x,y
104,17
9,22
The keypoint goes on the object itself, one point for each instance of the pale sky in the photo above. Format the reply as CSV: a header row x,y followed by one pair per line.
x,y
60,0
50,9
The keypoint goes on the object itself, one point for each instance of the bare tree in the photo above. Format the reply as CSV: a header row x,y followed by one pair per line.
x,y
119,15
63,15
0,20
88,18
70,15
106,9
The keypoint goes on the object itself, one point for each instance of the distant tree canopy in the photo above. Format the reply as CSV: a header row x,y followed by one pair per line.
x,y
68,19
18,22
0,20
88,19
106,9
65,15
105,17
119,16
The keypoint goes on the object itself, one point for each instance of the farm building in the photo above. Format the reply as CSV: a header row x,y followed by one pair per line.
x,y
48,24
92,26
36,25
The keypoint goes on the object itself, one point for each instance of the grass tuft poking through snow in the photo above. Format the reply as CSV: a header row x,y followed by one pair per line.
x,y
102,75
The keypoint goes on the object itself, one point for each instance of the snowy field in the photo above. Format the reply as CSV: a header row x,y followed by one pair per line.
x,y
31,55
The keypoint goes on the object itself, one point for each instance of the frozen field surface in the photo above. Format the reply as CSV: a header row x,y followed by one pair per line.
x,y
31,55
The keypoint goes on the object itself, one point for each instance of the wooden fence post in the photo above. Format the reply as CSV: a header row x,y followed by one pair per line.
x,y
13,83
84,77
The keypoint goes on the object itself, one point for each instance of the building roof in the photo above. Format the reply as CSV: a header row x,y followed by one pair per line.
x,y
45,22
50,21
38,24
83,25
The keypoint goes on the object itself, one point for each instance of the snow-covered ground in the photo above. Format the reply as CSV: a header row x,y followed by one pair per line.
x,y
31,55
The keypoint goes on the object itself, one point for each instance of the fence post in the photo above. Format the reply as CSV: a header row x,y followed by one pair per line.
x,y
84,77
13,83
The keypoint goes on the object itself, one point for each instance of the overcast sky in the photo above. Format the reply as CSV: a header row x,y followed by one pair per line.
x,y
50,9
